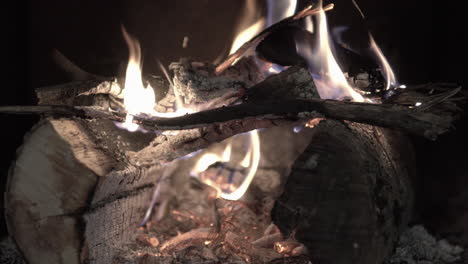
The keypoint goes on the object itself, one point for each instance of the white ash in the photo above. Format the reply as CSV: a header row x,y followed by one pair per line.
x,y
417,246
197,83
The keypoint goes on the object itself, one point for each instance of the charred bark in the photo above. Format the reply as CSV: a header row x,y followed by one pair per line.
x,y
349,193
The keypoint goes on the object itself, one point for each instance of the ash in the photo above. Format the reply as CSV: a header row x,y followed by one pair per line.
x,y
192,225
417,246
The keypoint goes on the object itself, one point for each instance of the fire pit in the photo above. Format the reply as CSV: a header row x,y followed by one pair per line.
x,y
258,158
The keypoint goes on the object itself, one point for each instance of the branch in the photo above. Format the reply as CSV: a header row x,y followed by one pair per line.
x,y
412,121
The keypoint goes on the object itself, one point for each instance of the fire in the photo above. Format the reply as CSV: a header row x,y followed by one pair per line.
x,y
250,25
249,162
329,79
382,60
137,98
280,9
384,65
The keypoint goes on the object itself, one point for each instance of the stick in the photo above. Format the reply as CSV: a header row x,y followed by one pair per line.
x,y
393,116
192,237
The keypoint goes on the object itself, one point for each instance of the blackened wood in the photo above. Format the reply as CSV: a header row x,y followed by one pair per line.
x,y
416,122
349,194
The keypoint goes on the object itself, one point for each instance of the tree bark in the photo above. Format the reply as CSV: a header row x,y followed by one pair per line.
x,y
349,193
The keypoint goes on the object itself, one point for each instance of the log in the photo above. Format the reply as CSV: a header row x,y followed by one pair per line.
x,y
73,196
66,201
79,187
106,204
349,193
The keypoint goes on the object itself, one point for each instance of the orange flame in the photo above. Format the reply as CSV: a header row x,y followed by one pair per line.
x,y
137,98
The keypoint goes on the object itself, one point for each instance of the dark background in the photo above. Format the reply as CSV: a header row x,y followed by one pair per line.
x,y
422,40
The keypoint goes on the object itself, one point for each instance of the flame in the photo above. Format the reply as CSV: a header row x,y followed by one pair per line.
x,y
280,9
227,153
384,65
137,98
246,35
382,60
250,25
254,161
328,77
250,161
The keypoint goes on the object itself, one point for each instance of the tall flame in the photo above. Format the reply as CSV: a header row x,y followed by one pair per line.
x,y
328,77
137,98
250,26
384,65
382,60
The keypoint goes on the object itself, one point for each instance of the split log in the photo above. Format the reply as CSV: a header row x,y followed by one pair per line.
x,y
73,196
349,193
65,200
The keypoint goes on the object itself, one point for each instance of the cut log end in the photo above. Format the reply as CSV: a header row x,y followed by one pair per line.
x,y
348,192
